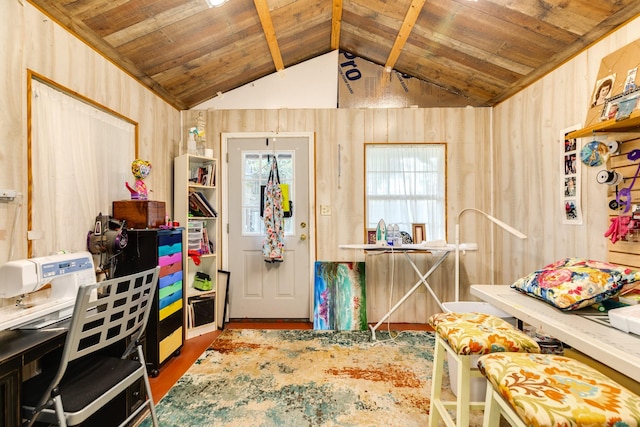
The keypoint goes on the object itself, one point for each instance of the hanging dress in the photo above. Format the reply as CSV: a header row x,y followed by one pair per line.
x,y
273,243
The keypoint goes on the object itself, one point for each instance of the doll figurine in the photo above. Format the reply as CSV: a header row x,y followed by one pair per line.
x,y
140,169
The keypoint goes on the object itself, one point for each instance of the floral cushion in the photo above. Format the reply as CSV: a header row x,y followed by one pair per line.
x,y
479,333
575,283
550,390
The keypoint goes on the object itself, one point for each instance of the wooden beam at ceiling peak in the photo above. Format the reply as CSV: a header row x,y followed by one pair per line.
x,y
269,32
336,20
409,21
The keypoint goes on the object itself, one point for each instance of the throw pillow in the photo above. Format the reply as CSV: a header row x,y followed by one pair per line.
x,y
575,283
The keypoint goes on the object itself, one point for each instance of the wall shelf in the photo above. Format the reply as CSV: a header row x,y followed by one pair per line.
x,y
632,124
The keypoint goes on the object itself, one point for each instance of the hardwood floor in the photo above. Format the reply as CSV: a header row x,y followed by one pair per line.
x,y
193,348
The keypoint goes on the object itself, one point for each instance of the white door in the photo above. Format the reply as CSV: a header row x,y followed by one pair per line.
x,y
259,289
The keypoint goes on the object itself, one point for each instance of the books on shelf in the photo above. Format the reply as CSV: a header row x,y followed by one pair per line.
x,y
200,206
204,243
203,175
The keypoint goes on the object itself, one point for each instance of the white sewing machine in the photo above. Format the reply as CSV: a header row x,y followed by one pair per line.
x,y
26,301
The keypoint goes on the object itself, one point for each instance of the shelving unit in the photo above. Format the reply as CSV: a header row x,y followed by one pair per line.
x,y
627,131
146,249
198,214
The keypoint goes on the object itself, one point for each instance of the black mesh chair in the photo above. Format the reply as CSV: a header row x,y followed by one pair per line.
x,y
88,377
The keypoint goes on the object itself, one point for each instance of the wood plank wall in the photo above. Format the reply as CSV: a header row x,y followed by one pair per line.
x,y
30,40
465,130
515,177
528,181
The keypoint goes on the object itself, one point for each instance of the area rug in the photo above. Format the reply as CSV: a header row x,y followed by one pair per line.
x,y
304,378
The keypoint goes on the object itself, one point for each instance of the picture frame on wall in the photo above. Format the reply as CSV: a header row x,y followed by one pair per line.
x,y
418,233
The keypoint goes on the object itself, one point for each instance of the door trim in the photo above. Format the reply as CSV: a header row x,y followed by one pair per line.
x,y
224,174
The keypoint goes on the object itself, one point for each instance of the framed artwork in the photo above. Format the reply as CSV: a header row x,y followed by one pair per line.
x,y
371,236
603,90
627,104
418,233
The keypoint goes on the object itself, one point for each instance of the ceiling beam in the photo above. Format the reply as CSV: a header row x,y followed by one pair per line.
x,y
336,20
267,27
409,21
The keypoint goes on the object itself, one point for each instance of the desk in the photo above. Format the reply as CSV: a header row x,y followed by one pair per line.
x,y
607,345
20,347
442,251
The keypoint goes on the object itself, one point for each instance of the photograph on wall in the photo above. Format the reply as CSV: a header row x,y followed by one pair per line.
x,y
603,90
570,201
630,82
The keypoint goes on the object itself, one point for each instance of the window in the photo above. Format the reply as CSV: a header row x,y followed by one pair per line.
x,y
405,184
81,158
255,172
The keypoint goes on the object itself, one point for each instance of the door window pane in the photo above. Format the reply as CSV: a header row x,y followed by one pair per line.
x,y
255,173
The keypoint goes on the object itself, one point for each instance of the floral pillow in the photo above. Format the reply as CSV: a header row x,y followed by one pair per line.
x,y
574,283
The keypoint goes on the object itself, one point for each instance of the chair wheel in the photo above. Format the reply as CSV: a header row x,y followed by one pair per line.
x,y
154,373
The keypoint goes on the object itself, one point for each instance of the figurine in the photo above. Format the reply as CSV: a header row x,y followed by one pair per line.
x,y
140,169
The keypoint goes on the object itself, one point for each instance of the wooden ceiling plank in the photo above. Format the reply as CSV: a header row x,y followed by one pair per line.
x,y
571,16
154,23
267,27
228,59
86,34
295,19
409,21
209,34
484,51
336,20
449,43
457,78
86,9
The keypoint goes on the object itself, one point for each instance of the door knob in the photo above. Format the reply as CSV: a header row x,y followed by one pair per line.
x,y
303,237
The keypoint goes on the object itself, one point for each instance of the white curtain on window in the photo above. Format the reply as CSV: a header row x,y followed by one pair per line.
x,y
406,185
81,158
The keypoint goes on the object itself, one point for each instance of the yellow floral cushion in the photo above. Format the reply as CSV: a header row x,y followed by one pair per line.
x,y
550,390
479,333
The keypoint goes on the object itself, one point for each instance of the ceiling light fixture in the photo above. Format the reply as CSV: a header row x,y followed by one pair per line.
x,y
215,3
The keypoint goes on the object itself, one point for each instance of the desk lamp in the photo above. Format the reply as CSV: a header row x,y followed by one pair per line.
x,y
490,218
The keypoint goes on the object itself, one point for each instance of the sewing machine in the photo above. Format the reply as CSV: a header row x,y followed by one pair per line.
x,y
26,302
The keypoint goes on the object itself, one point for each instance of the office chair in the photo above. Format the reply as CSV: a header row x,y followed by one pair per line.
x,y
87,378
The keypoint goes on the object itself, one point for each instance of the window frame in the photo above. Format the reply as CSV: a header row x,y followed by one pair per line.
x,y
372,222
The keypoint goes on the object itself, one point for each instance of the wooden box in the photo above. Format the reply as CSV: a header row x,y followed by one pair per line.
x,y
140,213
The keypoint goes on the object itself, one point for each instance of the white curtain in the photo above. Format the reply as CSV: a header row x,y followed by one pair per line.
x,y
406,185
81,159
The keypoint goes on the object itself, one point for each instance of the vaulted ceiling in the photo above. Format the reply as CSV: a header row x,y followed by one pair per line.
x,y
483,51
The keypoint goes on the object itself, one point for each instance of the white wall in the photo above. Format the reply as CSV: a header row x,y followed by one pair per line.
x,y
316,79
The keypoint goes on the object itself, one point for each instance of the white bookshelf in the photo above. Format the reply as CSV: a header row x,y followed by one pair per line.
x,y
194,173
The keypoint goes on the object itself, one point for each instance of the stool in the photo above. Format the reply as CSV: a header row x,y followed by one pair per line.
x,y
465,336
547,390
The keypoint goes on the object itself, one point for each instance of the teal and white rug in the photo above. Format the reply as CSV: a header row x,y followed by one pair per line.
x,y
304,378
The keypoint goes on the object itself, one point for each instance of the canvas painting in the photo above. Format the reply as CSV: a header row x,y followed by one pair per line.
x,y
339,296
